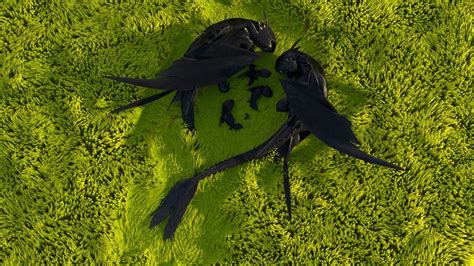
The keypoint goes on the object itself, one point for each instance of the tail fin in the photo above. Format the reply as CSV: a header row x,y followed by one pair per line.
x,y
174,205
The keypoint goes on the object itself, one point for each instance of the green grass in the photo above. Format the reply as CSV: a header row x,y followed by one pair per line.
x,y
78,184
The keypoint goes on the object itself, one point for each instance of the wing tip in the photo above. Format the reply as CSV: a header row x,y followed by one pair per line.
x,y
396,167
117,110
156,219
113,77
121,79
353,151
374,160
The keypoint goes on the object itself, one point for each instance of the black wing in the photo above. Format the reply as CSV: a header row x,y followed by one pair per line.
x,y
318,116
142,101
187,73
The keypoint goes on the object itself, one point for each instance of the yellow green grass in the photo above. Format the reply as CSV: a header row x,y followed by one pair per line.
x,y
78,184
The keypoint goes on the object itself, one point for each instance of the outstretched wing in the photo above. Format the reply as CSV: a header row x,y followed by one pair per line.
x,y
187,73
317,115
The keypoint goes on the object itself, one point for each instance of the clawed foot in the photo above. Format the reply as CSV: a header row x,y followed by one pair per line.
x,y
227,116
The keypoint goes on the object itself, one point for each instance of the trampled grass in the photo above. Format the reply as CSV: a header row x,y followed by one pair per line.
x,y
78,184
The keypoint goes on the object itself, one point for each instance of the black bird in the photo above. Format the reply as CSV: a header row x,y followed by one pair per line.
x,y
221,51
309,112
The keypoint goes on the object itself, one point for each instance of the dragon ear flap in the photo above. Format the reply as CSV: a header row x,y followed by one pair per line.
x,y
297,41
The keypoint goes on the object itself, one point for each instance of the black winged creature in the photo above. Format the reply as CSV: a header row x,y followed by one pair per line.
x,y
221,51
309,112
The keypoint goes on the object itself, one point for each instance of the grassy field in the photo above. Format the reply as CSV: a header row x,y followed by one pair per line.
x,y
79,184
